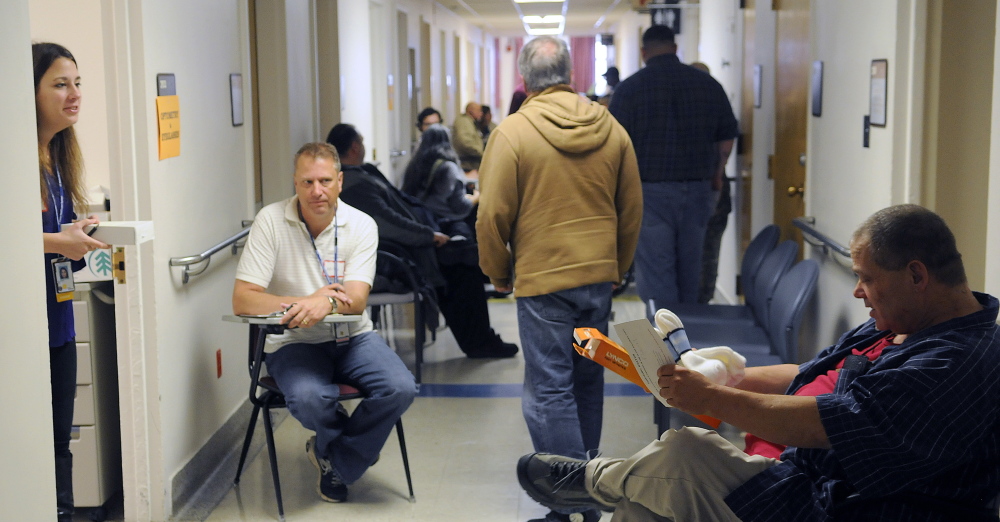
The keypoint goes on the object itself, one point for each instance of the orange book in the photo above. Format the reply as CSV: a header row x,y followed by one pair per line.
x,y
594,345
599,348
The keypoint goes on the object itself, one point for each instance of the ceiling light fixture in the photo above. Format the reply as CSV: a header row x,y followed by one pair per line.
x,y
541,31
548,19
537,1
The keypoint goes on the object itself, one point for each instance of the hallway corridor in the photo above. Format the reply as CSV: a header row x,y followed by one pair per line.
x,y
464,434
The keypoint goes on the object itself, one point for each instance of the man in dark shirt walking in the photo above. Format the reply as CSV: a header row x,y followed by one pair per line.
x,y
682,127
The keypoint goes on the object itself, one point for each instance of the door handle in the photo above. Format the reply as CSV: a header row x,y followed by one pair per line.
x,y
795,191
394,153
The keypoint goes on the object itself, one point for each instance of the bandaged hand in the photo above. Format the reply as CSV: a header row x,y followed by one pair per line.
x,y
720,364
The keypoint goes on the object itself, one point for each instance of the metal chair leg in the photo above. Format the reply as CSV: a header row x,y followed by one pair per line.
x,y
406,459
246,443
419,332
269,432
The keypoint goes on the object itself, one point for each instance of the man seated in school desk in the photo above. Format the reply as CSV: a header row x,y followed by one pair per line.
x,y
900,420
314,255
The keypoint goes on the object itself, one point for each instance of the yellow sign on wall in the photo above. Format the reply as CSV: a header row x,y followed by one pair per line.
x,y
168,112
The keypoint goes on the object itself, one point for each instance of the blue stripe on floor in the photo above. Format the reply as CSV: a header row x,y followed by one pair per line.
x,y
513,390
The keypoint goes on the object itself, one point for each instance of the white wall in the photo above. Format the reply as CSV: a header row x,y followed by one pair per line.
x,y
844,178
762,187
720,41
356,87
627,33
993,193
27,487
197,199
77,34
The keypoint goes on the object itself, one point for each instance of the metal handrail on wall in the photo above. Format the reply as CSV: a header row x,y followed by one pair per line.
x,y
206,256
806,225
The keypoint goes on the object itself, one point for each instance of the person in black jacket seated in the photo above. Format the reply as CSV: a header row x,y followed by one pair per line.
x,y
403,220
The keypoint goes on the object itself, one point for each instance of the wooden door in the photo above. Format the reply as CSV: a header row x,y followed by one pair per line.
x,y
791,112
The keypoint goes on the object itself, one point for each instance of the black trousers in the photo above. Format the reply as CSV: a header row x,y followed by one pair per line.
x,y
62,372
463,303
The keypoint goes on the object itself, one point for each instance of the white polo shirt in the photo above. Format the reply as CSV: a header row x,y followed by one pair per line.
x,y
279,256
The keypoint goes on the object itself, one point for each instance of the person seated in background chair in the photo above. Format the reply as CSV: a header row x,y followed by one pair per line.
x,y
402,219
486,124
427,117
897,421
468,141
312,255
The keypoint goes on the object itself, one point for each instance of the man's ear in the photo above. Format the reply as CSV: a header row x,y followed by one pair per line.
x,y
918,274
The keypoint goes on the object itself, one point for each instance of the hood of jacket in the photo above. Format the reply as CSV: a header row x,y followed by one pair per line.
x,y
568,121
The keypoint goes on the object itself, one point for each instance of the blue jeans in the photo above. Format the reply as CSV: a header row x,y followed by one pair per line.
x,y
306,374
671,240
563,402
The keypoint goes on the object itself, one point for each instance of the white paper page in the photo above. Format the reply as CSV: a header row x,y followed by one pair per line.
x,y
647,350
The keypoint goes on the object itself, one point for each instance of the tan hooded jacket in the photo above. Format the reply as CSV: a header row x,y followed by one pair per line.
x,y
560,185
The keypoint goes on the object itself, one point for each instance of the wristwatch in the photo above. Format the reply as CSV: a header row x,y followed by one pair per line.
x,y
333,305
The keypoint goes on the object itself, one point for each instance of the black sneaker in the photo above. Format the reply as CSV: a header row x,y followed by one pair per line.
x,y
330,486
556,482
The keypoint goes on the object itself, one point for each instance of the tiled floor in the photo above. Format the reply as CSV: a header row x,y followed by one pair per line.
x,y
462,451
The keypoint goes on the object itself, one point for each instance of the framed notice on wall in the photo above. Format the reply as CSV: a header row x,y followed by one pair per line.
x,y
879,91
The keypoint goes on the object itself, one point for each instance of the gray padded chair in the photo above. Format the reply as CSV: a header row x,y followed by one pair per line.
x,y
753,261
778,341
749,328
791,296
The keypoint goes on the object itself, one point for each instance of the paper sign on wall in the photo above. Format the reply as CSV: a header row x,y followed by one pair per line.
x,y
168,111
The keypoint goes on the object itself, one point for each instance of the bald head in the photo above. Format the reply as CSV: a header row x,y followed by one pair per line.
x,y
475,110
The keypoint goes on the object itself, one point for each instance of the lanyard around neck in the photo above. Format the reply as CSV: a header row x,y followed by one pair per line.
x,y
319,257
57,203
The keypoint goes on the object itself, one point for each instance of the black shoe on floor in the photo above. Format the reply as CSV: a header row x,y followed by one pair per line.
x,y
556,482
500,350
330,487
586,516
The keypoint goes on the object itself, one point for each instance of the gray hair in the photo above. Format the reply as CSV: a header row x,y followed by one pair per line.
x,y
544,62
896,235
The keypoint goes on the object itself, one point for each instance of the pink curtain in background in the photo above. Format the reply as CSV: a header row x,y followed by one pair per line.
x,y
581,50
518,44
496,76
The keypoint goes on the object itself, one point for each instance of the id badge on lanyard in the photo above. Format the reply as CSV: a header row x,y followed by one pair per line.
x,y
342,330
62,269
62,276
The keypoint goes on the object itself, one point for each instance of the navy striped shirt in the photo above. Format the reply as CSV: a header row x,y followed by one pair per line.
x,y
675,115
923,420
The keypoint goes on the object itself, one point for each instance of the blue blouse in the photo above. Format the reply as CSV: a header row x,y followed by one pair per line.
x,y
61,330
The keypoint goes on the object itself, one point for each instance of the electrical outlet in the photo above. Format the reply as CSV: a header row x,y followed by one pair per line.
x,y
218,364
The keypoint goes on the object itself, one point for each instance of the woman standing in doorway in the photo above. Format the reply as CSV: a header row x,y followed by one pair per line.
x,y
57,106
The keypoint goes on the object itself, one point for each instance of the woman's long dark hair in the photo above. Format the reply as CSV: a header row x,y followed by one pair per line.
x,y
435,144
64,150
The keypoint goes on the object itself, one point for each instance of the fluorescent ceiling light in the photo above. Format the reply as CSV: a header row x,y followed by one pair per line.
x,y
539,32
547,19
537,1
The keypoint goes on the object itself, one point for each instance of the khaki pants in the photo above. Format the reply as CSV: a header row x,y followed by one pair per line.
x,y
684,476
